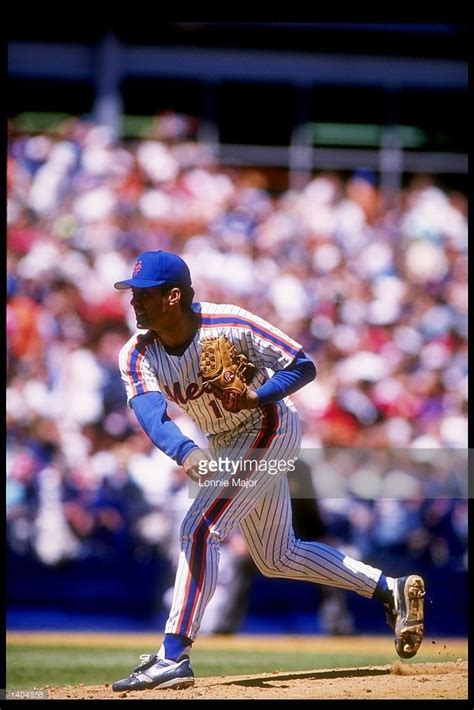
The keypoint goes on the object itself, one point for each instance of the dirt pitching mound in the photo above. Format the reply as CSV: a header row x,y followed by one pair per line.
x,y
396,681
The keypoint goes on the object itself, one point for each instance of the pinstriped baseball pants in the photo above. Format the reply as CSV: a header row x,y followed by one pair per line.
x,y
262,509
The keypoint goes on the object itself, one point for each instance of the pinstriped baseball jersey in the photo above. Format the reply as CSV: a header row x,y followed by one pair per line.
x,y
146,366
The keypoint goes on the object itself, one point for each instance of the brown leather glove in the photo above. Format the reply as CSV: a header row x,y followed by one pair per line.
x,y
225,372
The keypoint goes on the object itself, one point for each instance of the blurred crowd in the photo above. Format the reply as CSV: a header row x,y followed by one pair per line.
x,y
375,290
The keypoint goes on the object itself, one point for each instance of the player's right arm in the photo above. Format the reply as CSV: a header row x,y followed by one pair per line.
x,y
149,403
151,412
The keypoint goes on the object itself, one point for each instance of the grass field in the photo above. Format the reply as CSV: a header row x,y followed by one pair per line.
x,y
47,660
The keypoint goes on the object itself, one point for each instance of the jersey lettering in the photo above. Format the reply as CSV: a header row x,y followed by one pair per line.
x,y
193,391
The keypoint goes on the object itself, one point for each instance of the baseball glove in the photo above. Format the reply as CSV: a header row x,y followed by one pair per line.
x,y
225,372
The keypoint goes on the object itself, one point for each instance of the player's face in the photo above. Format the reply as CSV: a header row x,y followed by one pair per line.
x,y
148,306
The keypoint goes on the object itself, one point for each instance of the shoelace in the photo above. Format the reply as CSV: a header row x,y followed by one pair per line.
x,y
391,611
150,659
389,616
144,658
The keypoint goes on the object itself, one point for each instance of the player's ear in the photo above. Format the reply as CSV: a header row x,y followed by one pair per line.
x,y
174,296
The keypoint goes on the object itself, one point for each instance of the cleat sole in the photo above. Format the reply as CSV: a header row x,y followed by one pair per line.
x,y
409,633
180,684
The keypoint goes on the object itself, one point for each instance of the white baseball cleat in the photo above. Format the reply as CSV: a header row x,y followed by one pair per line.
x,y
157,672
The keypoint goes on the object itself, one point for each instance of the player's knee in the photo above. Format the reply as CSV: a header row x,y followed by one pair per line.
x,y
278,565
269,568
269,572
199,535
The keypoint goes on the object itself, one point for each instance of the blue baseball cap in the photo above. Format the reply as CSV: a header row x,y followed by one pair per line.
x,y
155,268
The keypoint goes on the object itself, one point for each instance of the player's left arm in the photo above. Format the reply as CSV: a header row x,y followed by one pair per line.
x,y
270,349
282,383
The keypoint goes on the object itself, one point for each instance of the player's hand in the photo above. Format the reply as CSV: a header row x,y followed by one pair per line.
x,y
248,400
193,461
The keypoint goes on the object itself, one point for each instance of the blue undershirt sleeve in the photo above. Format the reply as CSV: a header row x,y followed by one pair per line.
x,y
150,410
284,382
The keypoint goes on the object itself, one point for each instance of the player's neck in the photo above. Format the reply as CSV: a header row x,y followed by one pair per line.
x,y
179,330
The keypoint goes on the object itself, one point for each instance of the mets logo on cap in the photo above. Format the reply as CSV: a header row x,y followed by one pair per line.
x,y
137,268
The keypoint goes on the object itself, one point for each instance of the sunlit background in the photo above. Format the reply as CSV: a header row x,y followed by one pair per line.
x,y
315,174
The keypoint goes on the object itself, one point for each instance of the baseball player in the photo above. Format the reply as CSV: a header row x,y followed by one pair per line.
x,y
258,426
